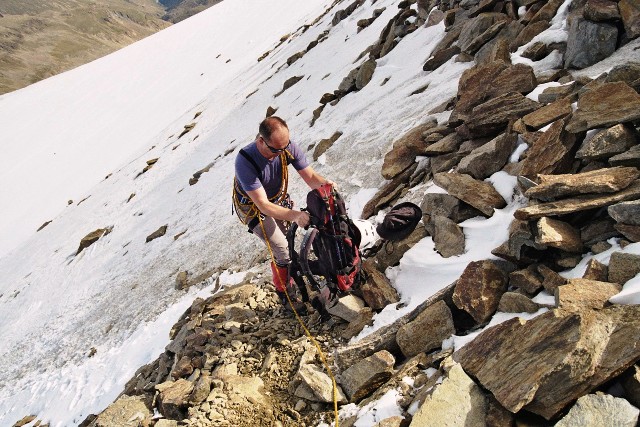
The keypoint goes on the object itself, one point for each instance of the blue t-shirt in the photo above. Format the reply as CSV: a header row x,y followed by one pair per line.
x,y
271,170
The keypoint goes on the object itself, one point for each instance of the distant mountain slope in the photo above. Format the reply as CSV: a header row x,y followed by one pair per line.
x,y
40,39
179,10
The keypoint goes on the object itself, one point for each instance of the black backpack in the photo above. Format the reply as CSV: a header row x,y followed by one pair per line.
x,y
329,255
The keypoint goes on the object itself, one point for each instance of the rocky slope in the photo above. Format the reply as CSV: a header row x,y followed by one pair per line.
x,y
238,359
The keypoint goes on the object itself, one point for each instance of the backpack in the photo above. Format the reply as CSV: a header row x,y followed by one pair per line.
x,y
329,255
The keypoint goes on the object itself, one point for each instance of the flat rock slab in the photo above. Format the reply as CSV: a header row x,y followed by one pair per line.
x,y
548,114
579,203
584,293
606,105
427,331
492,116
598,181
554,358
479,194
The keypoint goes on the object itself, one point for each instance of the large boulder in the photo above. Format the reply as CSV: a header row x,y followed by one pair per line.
x,y
551,357
446,205
448,237
552,153
405,149
367,375
493,115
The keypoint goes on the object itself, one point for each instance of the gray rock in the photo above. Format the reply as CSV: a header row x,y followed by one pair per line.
x,y
458,401
377,290
589,42
599,410
528,280
427,331
365,73
630,157
347,308
631,383
448,237
319,383
623,267
489,158
608,143
626,212
158,233
364,377
348,84
446,205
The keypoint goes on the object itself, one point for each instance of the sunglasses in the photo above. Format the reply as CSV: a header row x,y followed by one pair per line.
x,y
273,149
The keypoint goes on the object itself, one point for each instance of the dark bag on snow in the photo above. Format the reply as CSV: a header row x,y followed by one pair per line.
x,y
329,254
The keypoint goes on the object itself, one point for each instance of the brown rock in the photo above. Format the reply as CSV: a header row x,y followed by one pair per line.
x,y
388,193
558,234
483,38
536,51
479,289
528,33
514,302
479,194
548,114
364,377
173,398
579,203
630,12
440,57
623,267
554,93
548,11
631,232
551,356
584,293
551,153
521,246
364,318
405,149
601,10
448,144
473,89
444,162
608,143
527,280
122,412
93,237
492,116
598,181
158,233
489,158
365,73
606,105
325,144
377,291
551,280
596,271
597,231
475,27
427,331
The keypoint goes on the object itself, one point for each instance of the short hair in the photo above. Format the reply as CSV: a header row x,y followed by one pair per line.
x,y
270,124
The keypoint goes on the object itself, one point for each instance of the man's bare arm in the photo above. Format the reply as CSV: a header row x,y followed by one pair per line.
x,y
259,197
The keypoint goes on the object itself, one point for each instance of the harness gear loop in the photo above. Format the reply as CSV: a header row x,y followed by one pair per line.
x,y
313,340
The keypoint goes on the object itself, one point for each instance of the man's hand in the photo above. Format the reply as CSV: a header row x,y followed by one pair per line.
x,y
301,218
333,185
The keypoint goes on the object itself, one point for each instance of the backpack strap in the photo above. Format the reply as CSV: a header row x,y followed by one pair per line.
x,y
250,160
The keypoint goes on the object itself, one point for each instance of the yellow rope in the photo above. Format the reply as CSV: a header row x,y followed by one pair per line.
x,y
313,340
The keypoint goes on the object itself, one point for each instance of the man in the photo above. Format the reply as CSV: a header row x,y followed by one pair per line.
x,y
261,199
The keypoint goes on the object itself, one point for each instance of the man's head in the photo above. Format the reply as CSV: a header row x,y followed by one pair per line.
x,y
274,136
